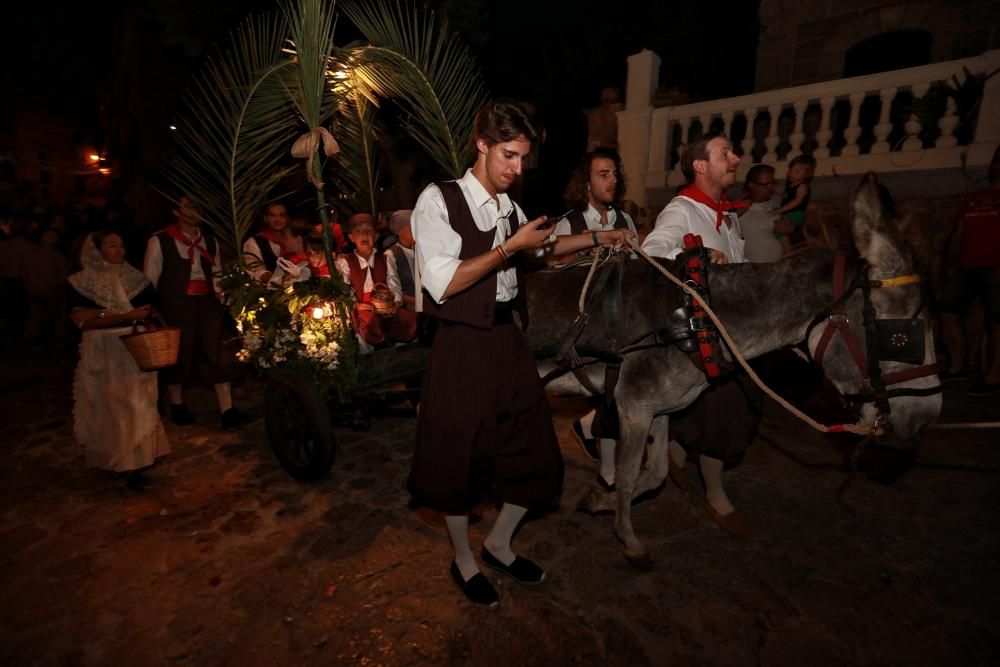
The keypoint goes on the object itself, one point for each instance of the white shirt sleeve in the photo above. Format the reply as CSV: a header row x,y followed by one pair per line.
x,y
392,276
152,263
667,238
253,258
344,269
562,227
438,245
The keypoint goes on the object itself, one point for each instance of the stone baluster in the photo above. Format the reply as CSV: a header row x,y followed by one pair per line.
x,y
773,136
949,121
727,125
884,126
913,125
752,131
853,130
706,121
823,132
797,136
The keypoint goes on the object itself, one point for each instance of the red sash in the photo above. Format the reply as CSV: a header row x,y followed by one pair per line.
x,y
720,207
273,238
174,232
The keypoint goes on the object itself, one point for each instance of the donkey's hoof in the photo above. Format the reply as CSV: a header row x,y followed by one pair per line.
x,y
641,562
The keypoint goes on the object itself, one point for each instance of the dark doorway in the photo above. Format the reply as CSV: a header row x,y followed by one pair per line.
x,y
888,51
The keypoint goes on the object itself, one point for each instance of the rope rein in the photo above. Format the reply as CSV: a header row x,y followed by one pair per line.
x,y
858,428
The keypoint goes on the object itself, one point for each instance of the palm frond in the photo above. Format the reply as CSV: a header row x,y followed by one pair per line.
x,y
431,73
356,172
235,129
311,24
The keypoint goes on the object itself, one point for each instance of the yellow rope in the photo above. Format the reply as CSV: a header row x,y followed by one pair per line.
x,y
908,279
859,429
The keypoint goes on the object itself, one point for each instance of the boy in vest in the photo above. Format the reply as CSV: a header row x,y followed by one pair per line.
x,y
183,264
484,422
363,270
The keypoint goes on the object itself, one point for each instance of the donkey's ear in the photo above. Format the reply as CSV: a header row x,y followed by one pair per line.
x,y
875,234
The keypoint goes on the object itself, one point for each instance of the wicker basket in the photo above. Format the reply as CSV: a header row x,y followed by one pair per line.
x,y
383,300
153,349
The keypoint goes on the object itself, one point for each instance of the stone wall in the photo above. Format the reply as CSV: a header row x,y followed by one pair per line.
x,y
805,41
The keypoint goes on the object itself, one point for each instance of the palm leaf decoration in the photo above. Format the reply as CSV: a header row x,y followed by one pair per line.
x,y
356,173
432,75
234,132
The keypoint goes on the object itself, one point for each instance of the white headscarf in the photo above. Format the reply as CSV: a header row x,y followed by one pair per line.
x,y
108,285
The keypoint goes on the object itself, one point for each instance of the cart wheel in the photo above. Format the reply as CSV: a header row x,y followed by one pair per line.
x,y
298,425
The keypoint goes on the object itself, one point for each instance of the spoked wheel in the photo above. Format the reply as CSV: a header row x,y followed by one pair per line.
x,y
298,425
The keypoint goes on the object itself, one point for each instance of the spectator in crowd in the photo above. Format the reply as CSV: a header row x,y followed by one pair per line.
x,y
972,269
402,251
183,265
115,408
262,250
366,271
756,222
795,200
45,286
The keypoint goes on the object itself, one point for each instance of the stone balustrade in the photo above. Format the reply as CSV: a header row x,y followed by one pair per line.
x,y
893,121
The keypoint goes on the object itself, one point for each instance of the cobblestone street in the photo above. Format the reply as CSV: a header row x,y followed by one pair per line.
x,y
226,560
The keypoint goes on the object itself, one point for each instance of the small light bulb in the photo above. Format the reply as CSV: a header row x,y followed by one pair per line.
x,y
317,313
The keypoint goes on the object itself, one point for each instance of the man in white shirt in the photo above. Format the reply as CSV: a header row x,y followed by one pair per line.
x,y
484,422
595,193
757,222
184,265
262,250
720,422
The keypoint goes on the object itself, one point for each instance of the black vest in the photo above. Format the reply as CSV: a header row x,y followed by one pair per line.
x,y
577,224
176,273
475,305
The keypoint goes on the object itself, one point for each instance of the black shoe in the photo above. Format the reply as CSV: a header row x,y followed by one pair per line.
x,y
180,415
589,444
983,389
604,483
232,419
478,589
522,570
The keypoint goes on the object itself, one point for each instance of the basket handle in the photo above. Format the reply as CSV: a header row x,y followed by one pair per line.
x,y
154,318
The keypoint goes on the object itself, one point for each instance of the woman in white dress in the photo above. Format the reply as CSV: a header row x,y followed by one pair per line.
x,y
115,409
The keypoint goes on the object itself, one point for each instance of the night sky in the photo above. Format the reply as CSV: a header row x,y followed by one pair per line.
x,y
138,57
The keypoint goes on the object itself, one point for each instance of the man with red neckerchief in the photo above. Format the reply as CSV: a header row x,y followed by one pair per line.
x,y
718,425
183,263
262,250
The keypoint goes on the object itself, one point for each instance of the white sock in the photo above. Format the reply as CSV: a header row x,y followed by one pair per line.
x,y
711,471
458,531
608,460
586,422
498,541
223,392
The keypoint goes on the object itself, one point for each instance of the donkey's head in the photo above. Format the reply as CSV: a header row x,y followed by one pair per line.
x,y
880,245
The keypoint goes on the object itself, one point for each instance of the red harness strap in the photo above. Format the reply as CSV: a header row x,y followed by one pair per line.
x,y
705,346
838,322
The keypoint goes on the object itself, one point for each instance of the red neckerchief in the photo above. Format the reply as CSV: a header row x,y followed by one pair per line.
x,y
273,238
720,207
174,232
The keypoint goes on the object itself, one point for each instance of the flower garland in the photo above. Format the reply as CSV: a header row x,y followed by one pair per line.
x,y
303,325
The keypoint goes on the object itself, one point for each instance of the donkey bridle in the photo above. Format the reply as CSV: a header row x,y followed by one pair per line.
x,y
875,383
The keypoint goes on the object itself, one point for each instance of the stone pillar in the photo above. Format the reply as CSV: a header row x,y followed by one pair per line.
x,y
634,123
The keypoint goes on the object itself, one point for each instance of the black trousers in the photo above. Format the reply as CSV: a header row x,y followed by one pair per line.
x,y
200,319
722,421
